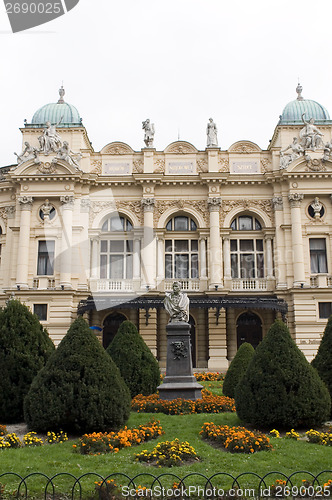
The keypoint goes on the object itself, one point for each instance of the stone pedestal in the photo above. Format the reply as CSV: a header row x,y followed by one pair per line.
x,y
179,381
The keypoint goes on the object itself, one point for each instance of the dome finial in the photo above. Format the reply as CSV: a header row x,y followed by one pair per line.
x,y
299,92
61,94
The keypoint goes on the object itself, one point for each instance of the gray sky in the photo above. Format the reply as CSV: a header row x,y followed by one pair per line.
x,y
177,62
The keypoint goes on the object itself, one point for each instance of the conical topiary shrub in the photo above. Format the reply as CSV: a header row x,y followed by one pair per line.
x,y
24,348
137,365
80,389
280,388
237,369
323,360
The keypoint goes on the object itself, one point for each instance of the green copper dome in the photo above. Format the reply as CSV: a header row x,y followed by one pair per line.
x,y
60,113
292,113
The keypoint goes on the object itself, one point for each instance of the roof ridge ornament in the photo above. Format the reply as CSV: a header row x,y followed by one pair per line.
x,y
61,94
299,89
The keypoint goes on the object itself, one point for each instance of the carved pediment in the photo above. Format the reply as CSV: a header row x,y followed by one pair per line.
x,y
310,165
244,147
181,147
117,148
45,168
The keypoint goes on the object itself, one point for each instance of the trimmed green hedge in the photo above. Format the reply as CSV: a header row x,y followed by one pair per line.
x,y
280,388
323,360
137,365
80,389
237,369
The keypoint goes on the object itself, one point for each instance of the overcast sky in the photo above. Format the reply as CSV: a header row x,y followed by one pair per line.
x,y
177,62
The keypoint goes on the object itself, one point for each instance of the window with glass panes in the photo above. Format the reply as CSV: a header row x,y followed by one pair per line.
x,y
247,252
116,250
318,260
181,253
45,263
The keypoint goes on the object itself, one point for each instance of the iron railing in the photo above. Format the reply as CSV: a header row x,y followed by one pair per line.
x,y
195,485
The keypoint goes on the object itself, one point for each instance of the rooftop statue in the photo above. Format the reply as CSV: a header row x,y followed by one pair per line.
x,y
297,150
50,140
310,135
211,132
148,133
177,304
28,153
66,154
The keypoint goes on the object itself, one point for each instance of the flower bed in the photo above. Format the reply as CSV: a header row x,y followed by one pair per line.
x,y
3,430
236,439
324,438
209,376
168,454
210,403
31,439
112,442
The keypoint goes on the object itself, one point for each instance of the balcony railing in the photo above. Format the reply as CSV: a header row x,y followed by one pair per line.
x,y
249,284
320,281
186,285
102,285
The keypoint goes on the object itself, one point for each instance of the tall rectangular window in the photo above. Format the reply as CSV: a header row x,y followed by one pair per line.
x,y
325,309
41,311
45,264
318,260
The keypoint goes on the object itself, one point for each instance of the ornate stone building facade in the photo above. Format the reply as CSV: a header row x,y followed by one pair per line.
x,y
246,231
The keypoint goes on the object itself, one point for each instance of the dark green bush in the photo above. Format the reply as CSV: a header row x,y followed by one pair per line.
x,y
137,365
280,388
237,369
323,360
24,348
80,389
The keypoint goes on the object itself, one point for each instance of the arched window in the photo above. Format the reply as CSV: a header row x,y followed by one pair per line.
x,y
116,249
247,248
181,249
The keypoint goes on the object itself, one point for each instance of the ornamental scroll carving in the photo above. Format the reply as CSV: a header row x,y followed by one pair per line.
x,y
265,165
98,206
162,206
117,149
315,165
7,212
159,167
202,166
47,167
96,166
138,167
224,165
264,205
244,147
181,148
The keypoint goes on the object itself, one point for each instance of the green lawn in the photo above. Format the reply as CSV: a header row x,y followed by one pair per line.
x,y
288,456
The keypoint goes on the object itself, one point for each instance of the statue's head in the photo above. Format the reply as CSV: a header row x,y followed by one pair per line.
x,y
48,124
176,286
311,120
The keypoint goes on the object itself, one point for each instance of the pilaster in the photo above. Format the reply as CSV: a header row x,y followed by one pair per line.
x,y
217,339
215,258
295,200
25,203
66,241
148,328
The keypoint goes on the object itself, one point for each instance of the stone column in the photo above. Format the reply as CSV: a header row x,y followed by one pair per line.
x,y
161,259
66,241
7,257
24,242
227,261
202,258
94,258
215,243
84,246
269,257
297,242
136,259
217,340
149,245
279,254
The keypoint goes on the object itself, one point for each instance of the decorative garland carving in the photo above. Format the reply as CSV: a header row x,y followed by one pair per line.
x,y
117,149
97,166
98,206
161,206
47,167
138,167
160,167
202,166
265,164
228,205
315,165
181,148
245,148
7,212
224,165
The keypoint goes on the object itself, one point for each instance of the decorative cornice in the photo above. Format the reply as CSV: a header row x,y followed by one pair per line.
x,y
277,202
295,199
148,204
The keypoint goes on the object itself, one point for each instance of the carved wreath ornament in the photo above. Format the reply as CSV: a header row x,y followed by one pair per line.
x,y
179,350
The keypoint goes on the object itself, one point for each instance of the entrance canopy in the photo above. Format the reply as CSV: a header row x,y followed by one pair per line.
x,y
202,301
